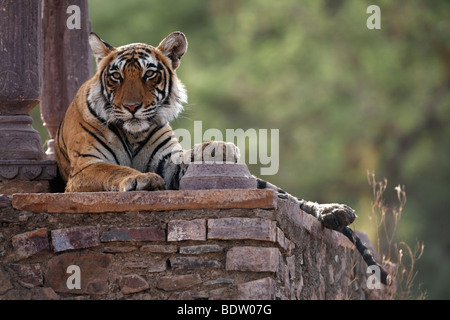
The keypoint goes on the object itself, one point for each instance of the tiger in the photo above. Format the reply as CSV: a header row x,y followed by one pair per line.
x,y
116,136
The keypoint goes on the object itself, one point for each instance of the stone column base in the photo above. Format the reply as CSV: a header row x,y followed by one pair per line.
x,y
27,176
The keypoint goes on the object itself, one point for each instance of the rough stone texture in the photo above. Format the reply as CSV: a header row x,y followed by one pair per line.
x,y
242,228
94,269
156,264
4,201
5,283
10,187
178,282
120,249
132,283
179,230
206,248
30,243
29,275
253,259
193,263
282,240
261,289
99,202
134,234
154,248
75,238
31,294
235,253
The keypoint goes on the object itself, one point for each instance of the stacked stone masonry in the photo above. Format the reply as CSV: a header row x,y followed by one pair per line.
x,y
205,244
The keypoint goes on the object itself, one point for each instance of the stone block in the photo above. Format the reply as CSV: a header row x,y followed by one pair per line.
x,y
132,283
193,263
282,240
31,294
97,202
94,271
204,248
28,275
178,282
261,289
30,243
290,262
179,230
134,234
253,259
10,187
219,281
75,238
242,228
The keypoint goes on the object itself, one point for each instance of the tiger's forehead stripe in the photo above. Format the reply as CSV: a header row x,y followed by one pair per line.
x,y
137,56
131,61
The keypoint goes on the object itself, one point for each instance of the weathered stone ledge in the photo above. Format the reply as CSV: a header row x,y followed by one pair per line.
x,y
198,244
101,202
108,202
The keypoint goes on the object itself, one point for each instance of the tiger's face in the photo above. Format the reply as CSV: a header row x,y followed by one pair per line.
x,y
137,84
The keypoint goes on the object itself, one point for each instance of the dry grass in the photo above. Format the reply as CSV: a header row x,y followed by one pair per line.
x,y
399,255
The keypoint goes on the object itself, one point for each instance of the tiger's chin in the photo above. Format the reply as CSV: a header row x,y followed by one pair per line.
x,y
136,126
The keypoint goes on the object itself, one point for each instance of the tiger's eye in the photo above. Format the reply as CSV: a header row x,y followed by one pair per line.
x,y
150,74
115,76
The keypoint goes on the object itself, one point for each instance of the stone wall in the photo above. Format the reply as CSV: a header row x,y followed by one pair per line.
x,y
199,244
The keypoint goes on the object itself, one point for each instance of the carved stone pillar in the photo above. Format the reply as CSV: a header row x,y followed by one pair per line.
x,y
67,60
22,162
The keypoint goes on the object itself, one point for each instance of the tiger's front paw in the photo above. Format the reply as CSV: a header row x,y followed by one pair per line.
x,y
142,181
336,216
216,151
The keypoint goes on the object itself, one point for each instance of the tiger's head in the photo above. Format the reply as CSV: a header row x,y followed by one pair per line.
x,y
136,84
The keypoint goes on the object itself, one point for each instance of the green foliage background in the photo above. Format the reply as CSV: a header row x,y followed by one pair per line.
x,y
346,99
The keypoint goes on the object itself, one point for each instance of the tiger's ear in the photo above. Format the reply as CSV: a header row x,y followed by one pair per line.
x,y
100,48
174,46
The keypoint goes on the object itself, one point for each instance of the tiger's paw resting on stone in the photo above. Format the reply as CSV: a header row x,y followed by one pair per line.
x,y
108,177
332,215
140,181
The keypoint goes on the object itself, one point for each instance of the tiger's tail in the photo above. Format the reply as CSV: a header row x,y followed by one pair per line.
x,y
385,278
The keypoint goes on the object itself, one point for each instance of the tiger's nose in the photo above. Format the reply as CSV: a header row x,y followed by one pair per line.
x,y
132,107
